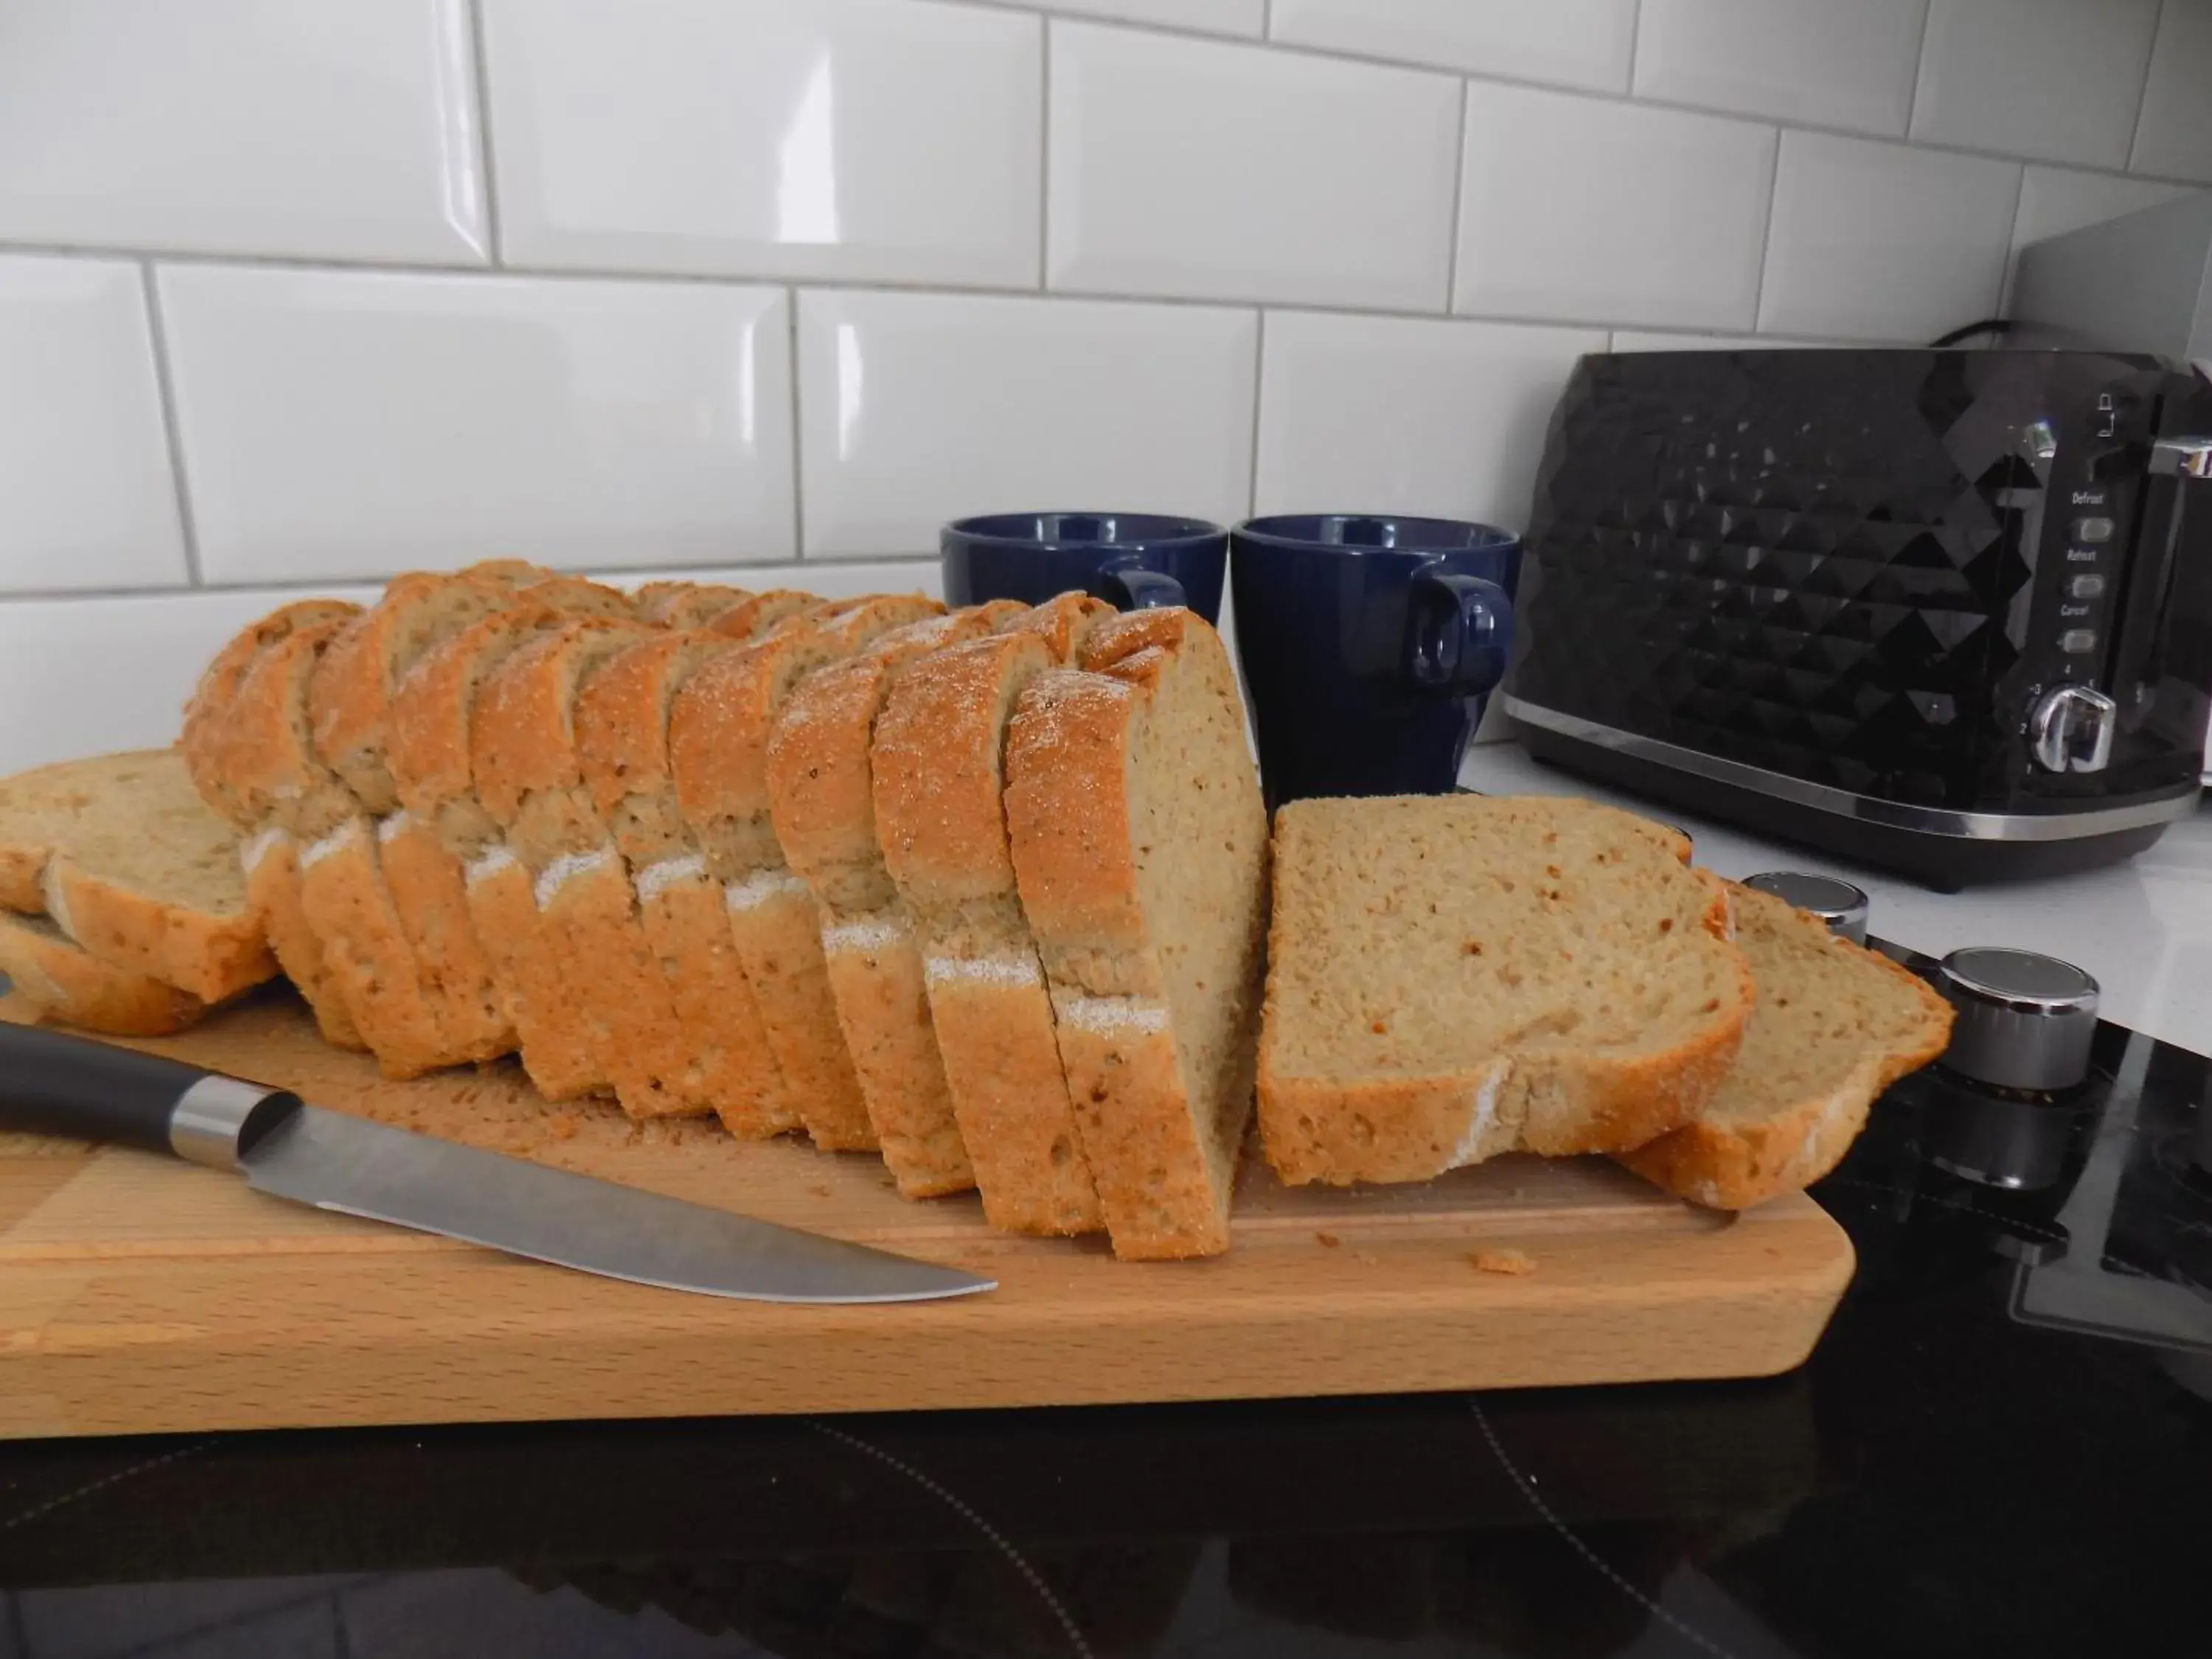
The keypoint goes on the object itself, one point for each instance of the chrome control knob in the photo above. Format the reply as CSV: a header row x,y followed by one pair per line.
x,y
2071,729
2024,1020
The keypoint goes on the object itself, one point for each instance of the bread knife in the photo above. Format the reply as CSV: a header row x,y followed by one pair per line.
x,y
51,1083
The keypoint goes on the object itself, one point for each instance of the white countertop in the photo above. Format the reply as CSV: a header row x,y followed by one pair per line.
x,y
2142,928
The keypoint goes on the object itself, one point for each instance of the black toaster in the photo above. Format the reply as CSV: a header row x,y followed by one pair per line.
x,y
1948,612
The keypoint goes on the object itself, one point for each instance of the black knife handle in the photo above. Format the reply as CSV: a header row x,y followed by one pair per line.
x,y
54,1083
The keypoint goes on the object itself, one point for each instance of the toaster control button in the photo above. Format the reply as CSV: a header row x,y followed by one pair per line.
x,y
2078,642
2085,588
2071,729
2093,530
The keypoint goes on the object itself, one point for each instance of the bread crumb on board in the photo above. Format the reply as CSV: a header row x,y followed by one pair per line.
x,y
1328,1241
1515,1262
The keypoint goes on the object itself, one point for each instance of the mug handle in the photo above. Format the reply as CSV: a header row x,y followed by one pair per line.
x,y
1132,587
1457,628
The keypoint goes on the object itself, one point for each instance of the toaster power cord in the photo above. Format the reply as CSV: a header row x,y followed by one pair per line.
x,y
1987,326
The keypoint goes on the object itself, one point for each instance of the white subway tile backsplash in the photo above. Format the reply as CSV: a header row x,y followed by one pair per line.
x,y
1882,242
920,408
341,424
345,129
2175,134
1204,170
2058,79
87,497
873,139
1387,414
1579,211
1849,65
1117,185
111,673
1574,42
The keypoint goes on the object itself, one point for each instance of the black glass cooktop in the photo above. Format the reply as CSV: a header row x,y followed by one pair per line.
x,y
2003,1446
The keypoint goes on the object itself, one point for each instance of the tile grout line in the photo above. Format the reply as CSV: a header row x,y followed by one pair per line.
x,y
1766,233
494,229
1920,66
1225,304
1458,202
798,456
2143,92
1259,403
157,337
2002,303
1044,154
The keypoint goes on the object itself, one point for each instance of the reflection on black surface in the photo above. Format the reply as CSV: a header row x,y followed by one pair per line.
x,y
1958,1471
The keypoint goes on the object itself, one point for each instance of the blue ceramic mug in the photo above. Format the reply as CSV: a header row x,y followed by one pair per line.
x,y
1368,644
1134,561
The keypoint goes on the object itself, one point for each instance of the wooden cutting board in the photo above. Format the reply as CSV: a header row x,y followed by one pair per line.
x,y
138,1294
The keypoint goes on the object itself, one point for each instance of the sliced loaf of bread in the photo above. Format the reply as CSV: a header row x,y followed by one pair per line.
x,y
938,760
132,865
269,854
1140,846
1834,1025
820,784
718,736
529,777
64,984
1452,978
454,852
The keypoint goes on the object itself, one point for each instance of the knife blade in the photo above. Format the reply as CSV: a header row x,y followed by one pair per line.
x,y
51,1083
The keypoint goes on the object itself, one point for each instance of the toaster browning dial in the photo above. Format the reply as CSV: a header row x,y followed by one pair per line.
x,y
2070,729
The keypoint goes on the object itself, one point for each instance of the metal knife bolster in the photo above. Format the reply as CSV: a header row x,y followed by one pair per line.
x,y
219,1120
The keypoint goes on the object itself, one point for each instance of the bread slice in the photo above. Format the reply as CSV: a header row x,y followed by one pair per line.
x,y
454,853
270,855
1141,846
351,701
283,786
1834,1024
524,756
621,748
208,710
937,786
1452,978
122,852
718,733
820,783
64,984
